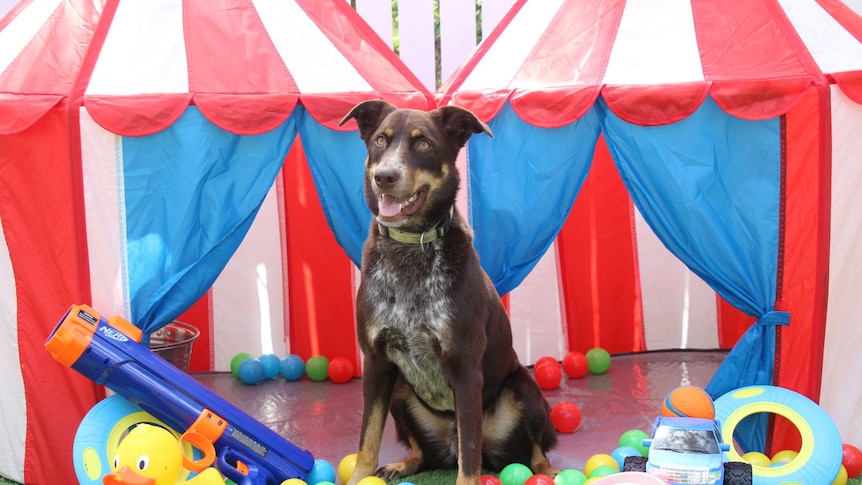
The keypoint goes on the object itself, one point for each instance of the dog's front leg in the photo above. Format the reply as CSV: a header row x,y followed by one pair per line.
x,y
467,382
378,380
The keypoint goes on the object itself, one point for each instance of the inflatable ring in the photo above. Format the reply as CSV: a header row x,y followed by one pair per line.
x,y
819,458
101,431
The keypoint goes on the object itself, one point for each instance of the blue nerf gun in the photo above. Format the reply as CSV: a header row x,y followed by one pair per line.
x,y
109,353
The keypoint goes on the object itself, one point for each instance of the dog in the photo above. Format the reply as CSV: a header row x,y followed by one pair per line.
x,y
435,336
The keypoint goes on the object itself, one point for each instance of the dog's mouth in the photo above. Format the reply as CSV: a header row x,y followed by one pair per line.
x,y
393,209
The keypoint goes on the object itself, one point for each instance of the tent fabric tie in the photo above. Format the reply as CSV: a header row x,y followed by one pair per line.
x,y
774,317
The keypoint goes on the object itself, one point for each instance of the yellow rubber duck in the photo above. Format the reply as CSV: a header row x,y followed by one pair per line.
x,y
152,455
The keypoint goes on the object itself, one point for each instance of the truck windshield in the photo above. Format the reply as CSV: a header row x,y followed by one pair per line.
x,y
685,440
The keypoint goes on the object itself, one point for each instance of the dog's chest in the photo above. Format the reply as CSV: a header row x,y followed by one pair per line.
x,y
411,320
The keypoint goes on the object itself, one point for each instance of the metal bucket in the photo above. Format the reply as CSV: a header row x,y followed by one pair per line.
x,y
173,342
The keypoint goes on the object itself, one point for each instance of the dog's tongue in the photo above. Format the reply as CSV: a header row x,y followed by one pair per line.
x,y
389,206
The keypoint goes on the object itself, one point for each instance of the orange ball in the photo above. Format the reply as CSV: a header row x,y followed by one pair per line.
x,y
689,402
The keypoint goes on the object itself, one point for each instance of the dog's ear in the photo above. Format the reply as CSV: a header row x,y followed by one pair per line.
x,y
368,115
460,124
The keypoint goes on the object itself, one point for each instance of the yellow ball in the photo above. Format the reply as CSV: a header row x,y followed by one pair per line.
x,y
372,480
784,456
841,479
757,458
293,481
345,467
601,459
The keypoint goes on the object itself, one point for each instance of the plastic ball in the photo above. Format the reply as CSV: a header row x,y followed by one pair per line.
x,y
321,471
545,360
634,438
237,360
250,371
566,416
340,370
688,402
372,480
548,376
600,460
841,478
575,365
292,367
540,479
592,480
346,466
489,480
622,452
515,474
852,460
784,456
570,476
271,365
604,470
294,481
316,368
757,458
598,360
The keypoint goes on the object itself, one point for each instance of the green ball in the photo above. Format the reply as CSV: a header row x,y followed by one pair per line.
x,y
236,361
603,471
635,438
316,368
515,474
598,360
570,476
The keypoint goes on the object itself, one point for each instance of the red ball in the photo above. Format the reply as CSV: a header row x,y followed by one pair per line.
x,y
566,416
548,375
575,365
490,480
545,360
340,370
852,460
540,479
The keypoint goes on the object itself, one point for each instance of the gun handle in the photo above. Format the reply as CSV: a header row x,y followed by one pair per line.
x,y
238,468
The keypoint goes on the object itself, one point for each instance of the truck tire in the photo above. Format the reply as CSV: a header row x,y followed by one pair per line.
x,y
737,473
635,464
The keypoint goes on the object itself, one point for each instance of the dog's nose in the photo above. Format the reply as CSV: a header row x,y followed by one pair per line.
x,y
386,177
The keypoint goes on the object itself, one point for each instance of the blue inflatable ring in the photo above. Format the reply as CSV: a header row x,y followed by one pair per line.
x,y
819,458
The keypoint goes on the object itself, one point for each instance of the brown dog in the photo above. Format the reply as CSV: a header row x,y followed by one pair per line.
x,y
436,338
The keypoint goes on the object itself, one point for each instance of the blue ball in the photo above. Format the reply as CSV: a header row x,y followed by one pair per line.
x,y
292,367
271,365
250,371
321,471
622,452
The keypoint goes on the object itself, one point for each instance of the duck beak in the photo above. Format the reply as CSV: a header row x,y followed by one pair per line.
x,y
126,477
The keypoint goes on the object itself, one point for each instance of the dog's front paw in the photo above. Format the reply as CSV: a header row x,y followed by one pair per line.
x,y
397,470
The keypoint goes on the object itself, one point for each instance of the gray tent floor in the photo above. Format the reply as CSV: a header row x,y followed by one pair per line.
x,y
324,417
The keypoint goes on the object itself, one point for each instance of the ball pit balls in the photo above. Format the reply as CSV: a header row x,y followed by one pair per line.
x,y
292,367
540,479
489,480
841,478
548,375
600,460
575,365
237,360
340,370
566,416
321,471
688,402
250,371
634,438
784,456
622,452
604,471
852,460
545,360
570,476
271,365
598,360
515,474
372,480
345,467
757,458
316,368
294,481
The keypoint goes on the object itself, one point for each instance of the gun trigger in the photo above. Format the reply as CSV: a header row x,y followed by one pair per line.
x,y
205,431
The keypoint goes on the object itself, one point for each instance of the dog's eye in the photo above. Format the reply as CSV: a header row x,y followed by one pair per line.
x,y
380,141
423,145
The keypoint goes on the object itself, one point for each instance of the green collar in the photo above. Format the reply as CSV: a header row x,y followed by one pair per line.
x,y
420,238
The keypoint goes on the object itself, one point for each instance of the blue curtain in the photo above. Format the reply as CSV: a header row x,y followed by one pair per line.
x,y
191,193
523,183
709,187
